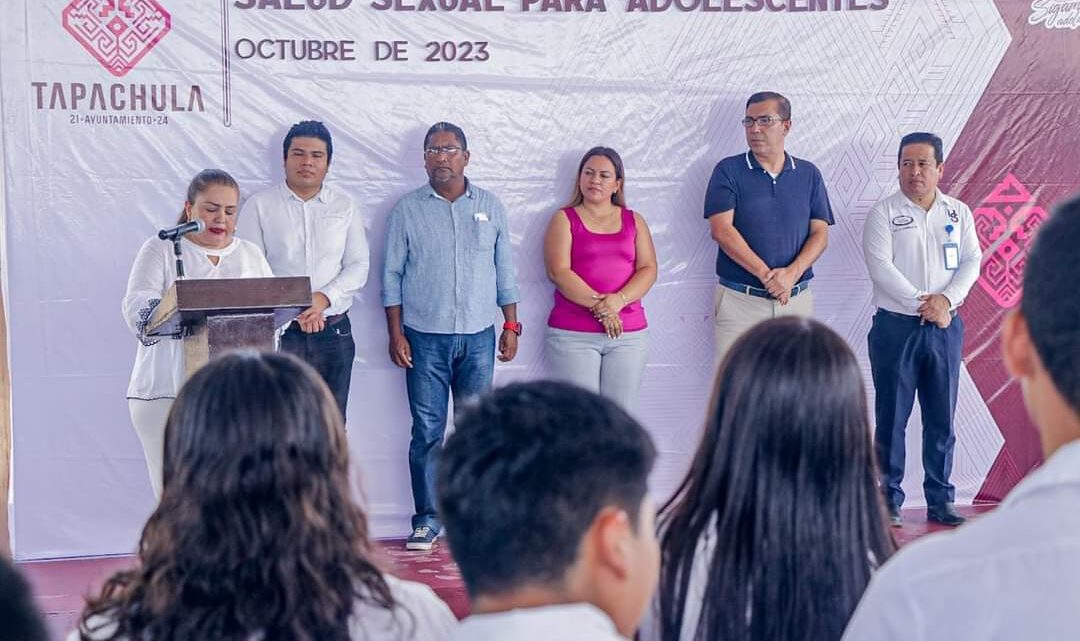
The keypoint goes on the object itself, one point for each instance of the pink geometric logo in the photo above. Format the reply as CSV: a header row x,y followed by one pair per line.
x,y
117,32
1006,222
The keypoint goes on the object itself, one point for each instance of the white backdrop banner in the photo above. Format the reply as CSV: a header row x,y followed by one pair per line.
x,y
110,106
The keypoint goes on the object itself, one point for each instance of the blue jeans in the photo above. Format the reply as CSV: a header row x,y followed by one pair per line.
x,y
908,358
462,363
330,352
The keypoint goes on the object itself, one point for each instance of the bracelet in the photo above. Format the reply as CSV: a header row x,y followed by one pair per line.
x,y
625,300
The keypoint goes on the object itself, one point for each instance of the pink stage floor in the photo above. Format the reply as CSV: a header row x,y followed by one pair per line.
x,y
60,585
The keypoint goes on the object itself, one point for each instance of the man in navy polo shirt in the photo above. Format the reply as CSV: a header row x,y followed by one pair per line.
x,y
769,213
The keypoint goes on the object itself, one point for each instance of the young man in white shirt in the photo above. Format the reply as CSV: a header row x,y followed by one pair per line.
x,y
1014,573
308,228
542,492
923,257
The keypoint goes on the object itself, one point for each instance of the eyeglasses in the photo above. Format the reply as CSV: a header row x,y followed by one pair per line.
x,y
431,152
762,121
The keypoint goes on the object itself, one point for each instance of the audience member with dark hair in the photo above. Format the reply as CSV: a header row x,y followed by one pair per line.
x,y
257,535
212,197
777,526
19,617
542,490
1014,573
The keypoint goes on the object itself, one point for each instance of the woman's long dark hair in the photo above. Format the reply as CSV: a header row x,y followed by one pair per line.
x,y
786,468
257,535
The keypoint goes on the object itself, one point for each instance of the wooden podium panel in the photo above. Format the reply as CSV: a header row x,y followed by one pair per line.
x,y
219,315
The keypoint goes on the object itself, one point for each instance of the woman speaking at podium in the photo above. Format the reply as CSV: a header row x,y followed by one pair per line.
x,y
211,251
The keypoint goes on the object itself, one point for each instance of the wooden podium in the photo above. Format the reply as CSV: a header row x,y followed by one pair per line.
x,y
218,315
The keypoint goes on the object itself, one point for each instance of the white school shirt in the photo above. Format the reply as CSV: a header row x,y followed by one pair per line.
x,y
904,248
695,591
421,616
569,622
159,369
322,238
1011,574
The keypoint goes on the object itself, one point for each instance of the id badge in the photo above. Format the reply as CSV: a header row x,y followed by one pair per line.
x,y
952,256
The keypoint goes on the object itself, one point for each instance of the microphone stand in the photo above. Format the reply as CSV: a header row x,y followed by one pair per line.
x,y
179,258
175,234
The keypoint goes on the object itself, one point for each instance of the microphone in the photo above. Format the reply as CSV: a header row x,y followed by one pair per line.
x,y
174,233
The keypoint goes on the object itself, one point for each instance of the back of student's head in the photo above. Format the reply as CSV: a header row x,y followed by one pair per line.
x,y
19,617
784,479
257,531
527,470
1050,305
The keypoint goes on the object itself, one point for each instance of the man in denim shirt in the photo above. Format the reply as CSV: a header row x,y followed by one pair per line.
x,y
448,264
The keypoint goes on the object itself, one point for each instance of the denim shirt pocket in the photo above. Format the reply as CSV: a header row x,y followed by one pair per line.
x,y
482,234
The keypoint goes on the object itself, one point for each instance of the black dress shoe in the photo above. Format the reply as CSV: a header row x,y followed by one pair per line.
x,y
895,518
944,514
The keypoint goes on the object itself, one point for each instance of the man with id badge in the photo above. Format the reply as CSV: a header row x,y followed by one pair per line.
x,y
923,257
448,265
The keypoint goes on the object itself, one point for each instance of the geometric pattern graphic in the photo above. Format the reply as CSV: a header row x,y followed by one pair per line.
x,y
1006,222
1040,68
118,33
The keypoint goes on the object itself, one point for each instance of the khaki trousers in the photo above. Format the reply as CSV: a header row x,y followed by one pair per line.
x,y
735,312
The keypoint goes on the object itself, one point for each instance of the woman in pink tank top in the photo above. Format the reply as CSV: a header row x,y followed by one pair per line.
x,y
600,256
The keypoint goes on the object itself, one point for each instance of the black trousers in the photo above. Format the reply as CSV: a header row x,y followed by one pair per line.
x,y
908,358
330,352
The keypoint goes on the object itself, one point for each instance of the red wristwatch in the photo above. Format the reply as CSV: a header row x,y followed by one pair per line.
x,y
513,327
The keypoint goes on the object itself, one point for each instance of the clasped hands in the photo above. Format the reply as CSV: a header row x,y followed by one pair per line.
x,y
311,320
935,309
779,281
606,311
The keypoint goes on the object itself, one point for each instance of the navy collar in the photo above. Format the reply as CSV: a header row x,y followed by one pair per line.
x,y
752,161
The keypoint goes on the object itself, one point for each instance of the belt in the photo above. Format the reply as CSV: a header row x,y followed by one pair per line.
x,y
762,293
330,320
910,317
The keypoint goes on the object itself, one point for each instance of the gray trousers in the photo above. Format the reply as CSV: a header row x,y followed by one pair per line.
x,y
612,367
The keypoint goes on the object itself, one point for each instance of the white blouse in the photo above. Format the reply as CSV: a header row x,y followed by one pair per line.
x,y
420,616
159,367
